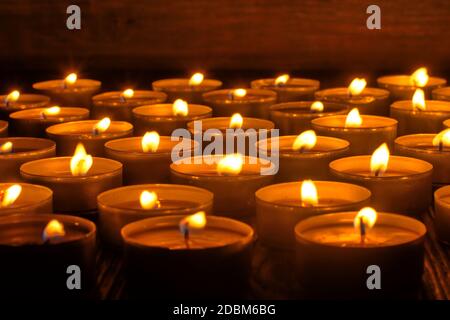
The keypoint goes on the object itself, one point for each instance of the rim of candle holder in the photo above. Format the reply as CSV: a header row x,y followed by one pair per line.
x,y
437,107
25,101
321,123
258,124
3,125
440,193
115,98
183,85
35,114
293,84
402,142
222,96
341,93
81,85
446,123
441,93
46,146
389,82
49,195
88,135
282,109
196,111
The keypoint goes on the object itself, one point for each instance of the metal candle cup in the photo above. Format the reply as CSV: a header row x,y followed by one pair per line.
x,y
217,266
23,150
68,135
442,213
116,107
441,94
32,123
333,263
3,128
32,267
121,206
32,199
295,89
401,87
254,104
364,139
160,118
404,188
279,208
73,193
420,121
25,101
295,117
180,89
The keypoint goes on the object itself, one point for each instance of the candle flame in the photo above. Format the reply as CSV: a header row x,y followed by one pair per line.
x,y
52,111
442,139
102,125
71,78
236,121
128,93
357,86
305,141
196,79
10,195
149,200
366,215
420,77
6,147
195,221
418,100
13,96
239,93
54,229
81,162
308,193
231,164
150,141
379,160
180,108
282,80
353,119
317,106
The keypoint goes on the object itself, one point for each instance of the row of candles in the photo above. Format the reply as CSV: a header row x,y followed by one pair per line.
x,y
345,135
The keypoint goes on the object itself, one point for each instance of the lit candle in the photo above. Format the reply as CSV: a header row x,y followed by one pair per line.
x,y
368,100
190,90
280,206
118,207
364,132
398,184
16,151
402,87
92,133
16,101
51,243
442,213
419,115
3,128
248,102
288,88
191,256
165,118
335,250
24,198
34,122
118,105
70,91
76,181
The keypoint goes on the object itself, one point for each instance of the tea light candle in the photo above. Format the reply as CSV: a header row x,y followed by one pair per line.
x,y
140,154
25,198
402,87
295,117
248,102
214,257
432,148
364,132
34,122
16,101
119,105
368,100
442,213
121,206
16,151
165,118
3,128
280,207
75,181
223,176
333,255
305,156
287,88
92,133
51,243
70,91
441,94
398,184
190,90
420,115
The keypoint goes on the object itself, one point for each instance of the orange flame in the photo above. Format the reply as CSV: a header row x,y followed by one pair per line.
x,y
54,229
149,200
231,164
317,106
180,108
102,126
236,121
150,141
305,141
127,94
13,96
366,215
442,139
418,100
196,79
420,77
10,195
353,119
379,160
239,93
357,86
71,78
308,193
6,147
282,80
81,162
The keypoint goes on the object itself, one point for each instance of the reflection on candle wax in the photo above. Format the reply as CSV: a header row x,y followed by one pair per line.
x,y
323,202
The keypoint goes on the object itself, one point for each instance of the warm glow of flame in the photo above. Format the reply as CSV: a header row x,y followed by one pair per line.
x,y
128,93
305,141
357,86
180,108
81,162
13,96
102,125
366,215
6,147
195,221
308,193
10,195
148,200
236,121
52,111
231,164
379,160
71,78
317,106
420,77
196,79
353,119
54,229
239,93
281,80
418,100
442,139
150,141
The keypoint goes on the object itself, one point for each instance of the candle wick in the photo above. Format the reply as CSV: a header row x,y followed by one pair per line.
x,y
123,99
95,132
362,229
43,115
377,173
186,235
231,96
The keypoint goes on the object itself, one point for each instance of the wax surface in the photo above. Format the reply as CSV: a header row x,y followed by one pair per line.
x,y
165,204
445,199
388,173
31,234
325,202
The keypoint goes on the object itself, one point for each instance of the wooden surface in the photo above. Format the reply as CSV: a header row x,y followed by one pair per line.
x,y
225,34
